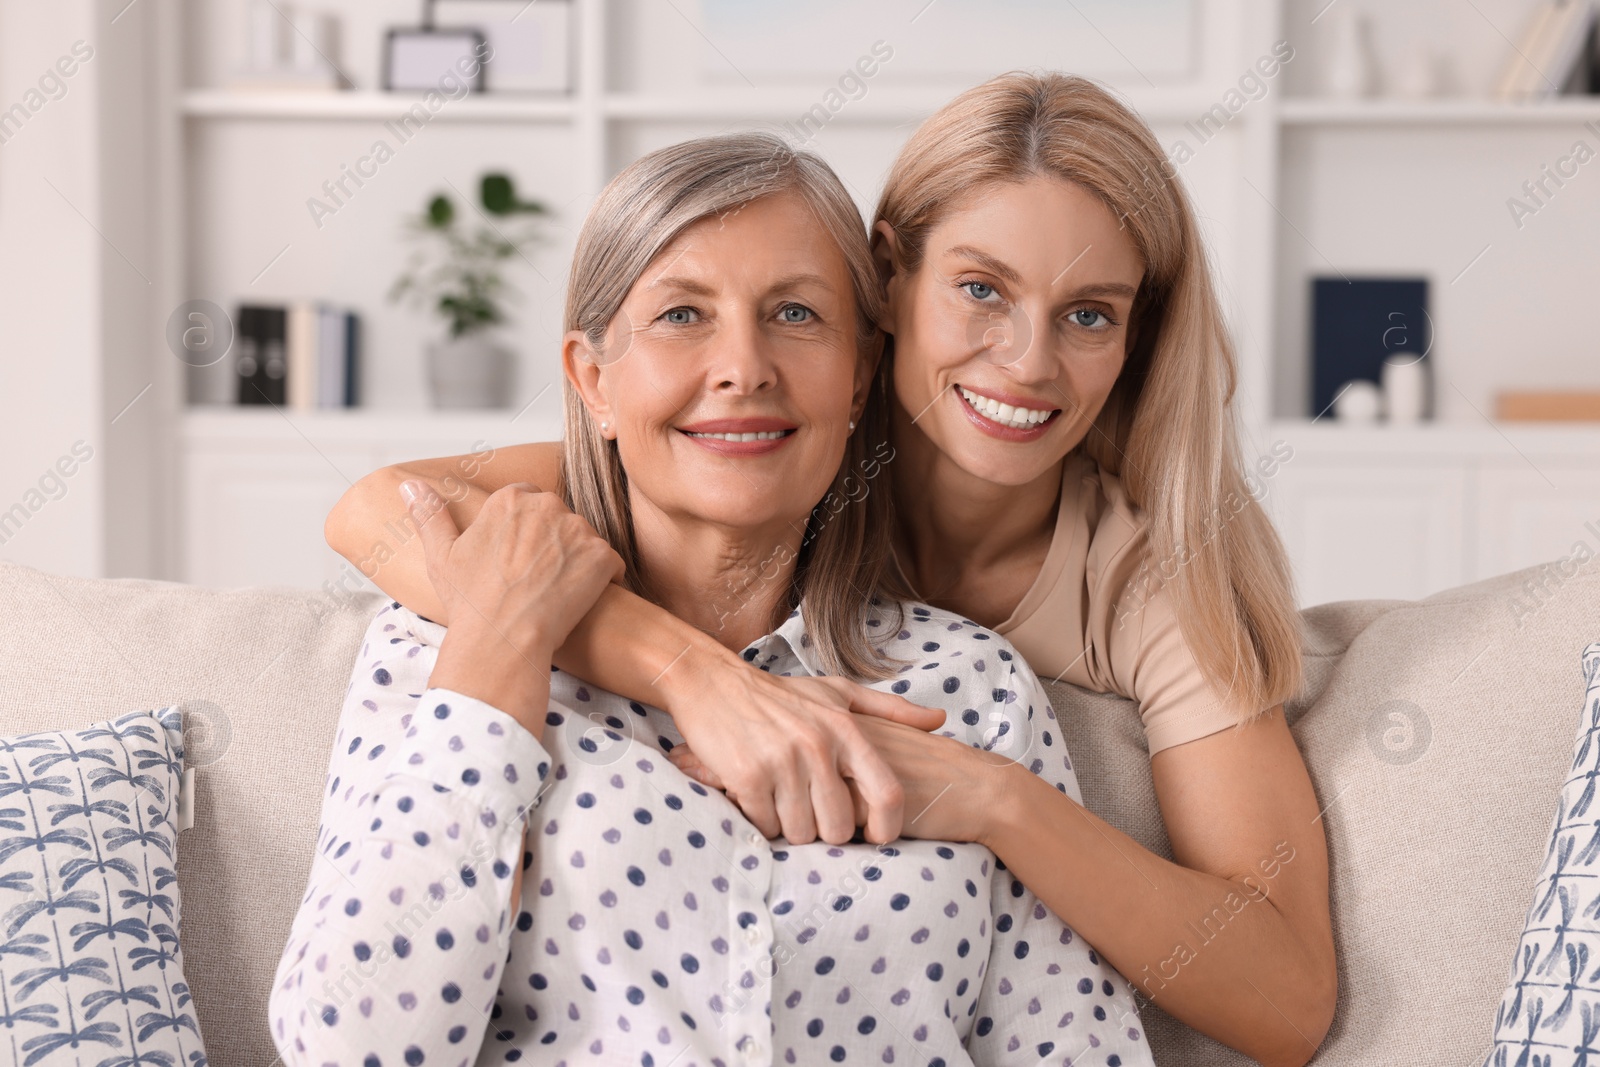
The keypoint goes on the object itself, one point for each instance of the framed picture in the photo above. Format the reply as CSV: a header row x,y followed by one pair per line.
x,y
422,59
530,41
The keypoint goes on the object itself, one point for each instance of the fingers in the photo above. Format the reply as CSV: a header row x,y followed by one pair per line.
x,y
792,800
433,521
687,762
896,709
835,813
878,787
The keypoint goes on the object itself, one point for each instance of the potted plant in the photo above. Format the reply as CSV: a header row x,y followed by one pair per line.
x,y
457,272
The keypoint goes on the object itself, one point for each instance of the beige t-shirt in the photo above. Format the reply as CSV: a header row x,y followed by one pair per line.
x,y
1092,620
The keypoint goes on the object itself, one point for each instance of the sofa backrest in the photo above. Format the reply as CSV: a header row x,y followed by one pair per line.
x,y
1432,856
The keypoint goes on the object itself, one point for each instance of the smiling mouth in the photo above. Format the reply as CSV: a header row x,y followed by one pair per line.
x,y
1010,416
772,435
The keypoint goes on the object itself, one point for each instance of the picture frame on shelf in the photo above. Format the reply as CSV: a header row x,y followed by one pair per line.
x,y
530,42
418,59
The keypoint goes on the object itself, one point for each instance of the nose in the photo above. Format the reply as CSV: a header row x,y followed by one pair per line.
x,y
741,361
1021,342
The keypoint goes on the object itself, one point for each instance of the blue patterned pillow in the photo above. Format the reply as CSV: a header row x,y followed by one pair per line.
x,y
90,967
1550,1014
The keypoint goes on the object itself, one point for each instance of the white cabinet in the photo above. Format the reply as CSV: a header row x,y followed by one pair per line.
x,y
1402,513
1543,508
258,484
1360,529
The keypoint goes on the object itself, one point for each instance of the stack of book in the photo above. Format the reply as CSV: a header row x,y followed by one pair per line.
x,y
302,356
1556,53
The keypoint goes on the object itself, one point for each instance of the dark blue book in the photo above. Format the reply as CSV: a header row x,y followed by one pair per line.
x,y
1358,323
352,360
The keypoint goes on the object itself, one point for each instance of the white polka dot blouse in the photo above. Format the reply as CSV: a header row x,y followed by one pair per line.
x,y
655,925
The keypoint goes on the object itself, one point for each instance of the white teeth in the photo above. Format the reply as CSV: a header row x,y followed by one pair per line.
x,y
771,435
1015,417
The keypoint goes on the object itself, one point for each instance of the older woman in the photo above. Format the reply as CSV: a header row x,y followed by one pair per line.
x,y
720,354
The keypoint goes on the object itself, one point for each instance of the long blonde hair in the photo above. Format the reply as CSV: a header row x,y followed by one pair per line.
x,y
842,561
1167,429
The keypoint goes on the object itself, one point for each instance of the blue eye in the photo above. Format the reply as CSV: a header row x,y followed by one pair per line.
x,y
796,313
978,290
1095,319
679,316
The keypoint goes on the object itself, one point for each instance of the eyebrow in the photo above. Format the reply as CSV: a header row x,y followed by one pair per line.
x,y
987,261
995,266
700,288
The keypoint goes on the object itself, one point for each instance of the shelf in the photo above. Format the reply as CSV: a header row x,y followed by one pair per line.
x,y
1452,440
886,104
229,104
1444,112
221,424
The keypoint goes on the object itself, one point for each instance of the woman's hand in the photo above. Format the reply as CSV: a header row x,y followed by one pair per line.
x,y
515,582
792,754
941,787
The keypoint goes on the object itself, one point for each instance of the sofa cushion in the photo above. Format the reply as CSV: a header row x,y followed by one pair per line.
x,y
1430,859
260,674
92,914
1552,1005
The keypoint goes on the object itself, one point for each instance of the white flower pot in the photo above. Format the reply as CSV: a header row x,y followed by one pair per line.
x,y
470,371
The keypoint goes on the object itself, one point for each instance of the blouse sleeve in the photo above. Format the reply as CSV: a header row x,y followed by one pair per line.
x,y
1047,996
394,956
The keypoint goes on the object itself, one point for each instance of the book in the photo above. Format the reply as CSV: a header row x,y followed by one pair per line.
x,y
1519,64
262,365
301,345
330,357
1554,53
1358,323
352,359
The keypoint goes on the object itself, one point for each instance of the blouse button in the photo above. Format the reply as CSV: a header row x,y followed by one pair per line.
x,y
752,935
754,838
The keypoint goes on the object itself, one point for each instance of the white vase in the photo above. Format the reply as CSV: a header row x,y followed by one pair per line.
x,y
1351,71
470,371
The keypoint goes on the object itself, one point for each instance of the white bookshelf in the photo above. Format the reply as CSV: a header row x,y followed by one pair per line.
x,y
1293,186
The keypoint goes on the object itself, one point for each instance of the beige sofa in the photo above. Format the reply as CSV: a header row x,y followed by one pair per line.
x,y
1434,841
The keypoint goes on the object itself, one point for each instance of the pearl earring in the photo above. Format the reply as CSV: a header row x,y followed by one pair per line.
x,y
852,424
603,427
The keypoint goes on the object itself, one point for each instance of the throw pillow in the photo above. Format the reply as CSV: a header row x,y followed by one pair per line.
x,y
91,969
1550,1013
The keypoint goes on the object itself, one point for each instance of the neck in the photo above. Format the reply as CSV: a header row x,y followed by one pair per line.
x,y
733,583
951,522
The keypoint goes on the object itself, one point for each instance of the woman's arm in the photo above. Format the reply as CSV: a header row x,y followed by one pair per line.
x,y
425,817
1233,936
377,963
776,742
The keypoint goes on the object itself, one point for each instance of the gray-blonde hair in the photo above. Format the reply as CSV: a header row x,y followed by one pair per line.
x,y
1167,428
843,558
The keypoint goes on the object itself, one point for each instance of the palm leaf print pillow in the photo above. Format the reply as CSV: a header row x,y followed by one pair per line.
x,y
1550,1013
91,972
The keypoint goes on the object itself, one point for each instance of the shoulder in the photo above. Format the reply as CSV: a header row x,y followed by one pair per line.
x,y
952,663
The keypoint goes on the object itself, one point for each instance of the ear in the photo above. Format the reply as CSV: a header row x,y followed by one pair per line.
x,y
886,258
582,366
866,370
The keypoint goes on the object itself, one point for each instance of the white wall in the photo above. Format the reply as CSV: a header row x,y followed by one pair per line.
x,y
79,284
